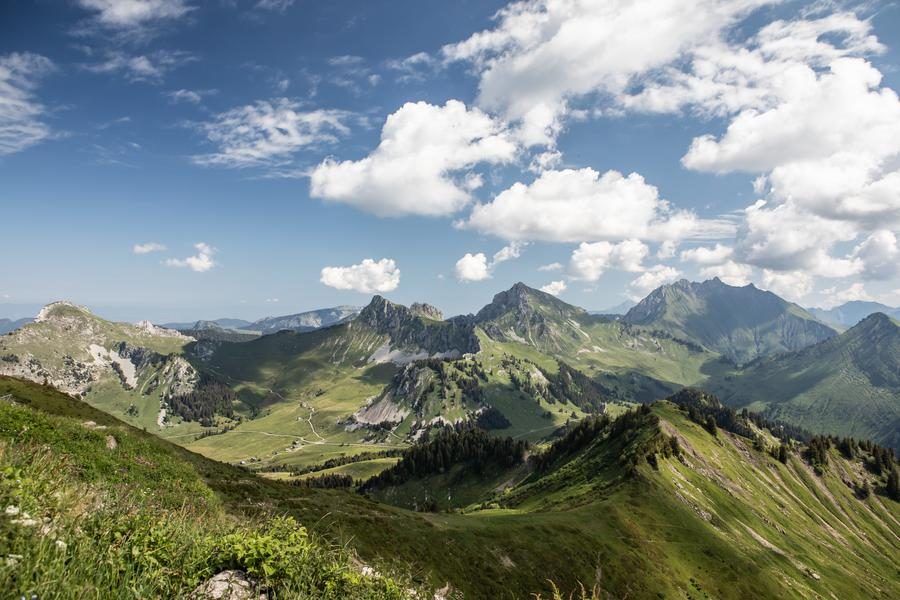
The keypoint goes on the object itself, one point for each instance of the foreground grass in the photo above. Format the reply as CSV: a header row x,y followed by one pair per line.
x,y
100,511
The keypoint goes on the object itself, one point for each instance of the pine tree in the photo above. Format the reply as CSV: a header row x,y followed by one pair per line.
x,y
783,453
711,424
893,485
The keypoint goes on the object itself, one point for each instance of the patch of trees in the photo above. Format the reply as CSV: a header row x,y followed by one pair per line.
x,y
491,418
571,385
118,370
576,437
816,453
461,444
209,399
706,409
877,459
10,358
327,481
464,374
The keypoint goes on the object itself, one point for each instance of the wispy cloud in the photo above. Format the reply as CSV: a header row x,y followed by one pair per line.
x,y
189,96
21,115
149,68
148,248
266,134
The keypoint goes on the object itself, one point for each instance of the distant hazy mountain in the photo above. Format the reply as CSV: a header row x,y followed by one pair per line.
x,y
849,384
619,309
305,321
224,323
7,325
741,323
851,313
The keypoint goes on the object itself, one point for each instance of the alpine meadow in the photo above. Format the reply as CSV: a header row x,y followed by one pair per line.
x,y
408,300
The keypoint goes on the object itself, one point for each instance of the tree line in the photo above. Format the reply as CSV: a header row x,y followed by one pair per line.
x,y
460,444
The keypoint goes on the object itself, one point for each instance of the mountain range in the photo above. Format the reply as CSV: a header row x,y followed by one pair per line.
x,y
304,321
851,313
7,325
358,379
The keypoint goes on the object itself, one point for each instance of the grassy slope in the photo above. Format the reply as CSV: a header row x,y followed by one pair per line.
x,y
848,385
141,518
637,535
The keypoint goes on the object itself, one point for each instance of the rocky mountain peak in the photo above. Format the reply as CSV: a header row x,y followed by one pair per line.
x,y
428,311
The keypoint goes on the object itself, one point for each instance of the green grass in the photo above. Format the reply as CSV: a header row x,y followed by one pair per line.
x,y
85,518
682,531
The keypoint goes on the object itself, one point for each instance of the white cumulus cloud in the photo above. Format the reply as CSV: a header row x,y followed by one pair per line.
x,y
423,165
590,261
472,267
200,262
555,288
367,277
475,267
583,205
544,53
651,279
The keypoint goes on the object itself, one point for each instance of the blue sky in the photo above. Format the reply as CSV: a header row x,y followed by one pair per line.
x,y
177,159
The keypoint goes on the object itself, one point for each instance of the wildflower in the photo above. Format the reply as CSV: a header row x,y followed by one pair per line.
x,y
13,559
25,521
12,511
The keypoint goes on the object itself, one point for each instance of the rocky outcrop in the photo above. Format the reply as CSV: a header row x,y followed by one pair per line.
x,y
409,330
426,310
228,585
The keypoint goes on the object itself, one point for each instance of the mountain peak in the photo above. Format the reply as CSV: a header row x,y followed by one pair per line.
x,y
61,308
428,311
741,323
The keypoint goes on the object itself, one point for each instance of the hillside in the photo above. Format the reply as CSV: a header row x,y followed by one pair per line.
x,y
616,504
849,384
130,371
655,505
95,508
740,323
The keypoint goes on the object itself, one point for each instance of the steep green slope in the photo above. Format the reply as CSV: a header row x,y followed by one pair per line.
x,y
849,385
98,509
740,323
715,517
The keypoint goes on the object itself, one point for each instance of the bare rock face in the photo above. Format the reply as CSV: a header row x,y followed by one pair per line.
x,y
426,310
228,585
